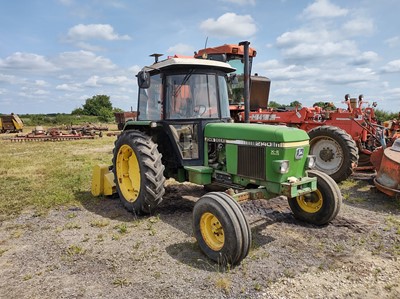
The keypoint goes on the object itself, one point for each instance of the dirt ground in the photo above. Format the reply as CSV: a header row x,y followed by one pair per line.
x,y
99,250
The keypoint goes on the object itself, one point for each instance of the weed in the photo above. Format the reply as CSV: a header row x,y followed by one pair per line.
x,y
224,284
75,250
346,195
288,273
2,251
121,228
389,287
100,238
157,275
121,282
27,277
99,223
115,237
72,225
71,215
338,247
17,234
257,287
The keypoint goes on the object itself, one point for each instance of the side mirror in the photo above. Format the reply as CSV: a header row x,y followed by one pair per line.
x,y
143,78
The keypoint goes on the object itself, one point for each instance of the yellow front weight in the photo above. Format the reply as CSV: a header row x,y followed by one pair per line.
x,y
212,231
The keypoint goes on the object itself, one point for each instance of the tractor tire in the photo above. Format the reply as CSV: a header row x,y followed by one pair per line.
x,y
335,150
221,229
138,172
321,206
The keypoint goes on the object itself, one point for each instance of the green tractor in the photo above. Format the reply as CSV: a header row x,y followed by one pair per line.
x,y
184,131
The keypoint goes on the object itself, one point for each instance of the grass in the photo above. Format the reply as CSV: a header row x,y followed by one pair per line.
x,y
75,250
44,175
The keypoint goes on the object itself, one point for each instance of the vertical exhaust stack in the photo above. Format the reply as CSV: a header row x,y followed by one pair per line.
x,y
246,91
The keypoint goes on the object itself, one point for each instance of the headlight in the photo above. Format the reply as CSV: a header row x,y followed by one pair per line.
x,y
310,163
281,166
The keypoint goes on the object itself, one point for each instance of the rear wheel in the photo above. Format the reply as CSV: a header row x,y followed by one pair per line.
x,y
138,172
221,228
321,206
335,150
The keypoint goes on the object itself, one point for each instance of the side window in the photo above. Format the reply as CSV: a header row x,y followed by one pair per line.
x,y
150,100
223,95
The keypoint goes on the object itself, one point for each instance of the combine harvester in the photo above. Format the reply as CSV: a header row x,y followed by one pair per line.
x,y
342,140
184,131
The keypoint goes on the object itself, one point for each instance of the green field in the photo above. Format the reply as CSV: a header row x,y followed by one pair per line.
x,y
43,175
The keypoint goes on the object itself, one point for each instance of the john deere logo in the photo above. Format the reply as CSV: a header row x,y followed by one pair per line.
x,y
299,153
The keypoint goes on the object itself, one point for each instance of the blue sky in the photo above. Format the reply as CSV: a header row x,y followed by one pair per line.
x,y
54,54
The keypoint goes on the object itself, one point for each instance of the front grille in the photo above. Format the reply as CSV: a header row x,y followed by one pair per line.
x,y
251,161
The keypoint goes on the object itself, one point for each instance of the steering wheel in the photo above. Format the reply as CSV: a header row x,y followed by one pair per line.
x,y
199,110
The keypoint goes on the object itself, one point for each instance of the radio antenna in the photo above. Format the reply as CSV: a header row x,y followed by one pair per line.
x,y
205,45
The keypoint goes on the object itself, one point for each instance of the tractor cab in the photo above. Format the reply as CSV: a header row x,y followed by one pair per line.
x,y
177,98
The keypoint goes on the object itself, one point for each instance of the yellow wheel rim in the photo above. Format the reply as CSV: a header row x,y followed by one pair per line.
x,y
310,203
128,173
212,231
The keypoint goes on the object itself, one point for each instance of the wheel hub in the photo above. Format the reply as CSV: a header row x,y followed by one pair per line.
x,y
212,231
326,154
311,203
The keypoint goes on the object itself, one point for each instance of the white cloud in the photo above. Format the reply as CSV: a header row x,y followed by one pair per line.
x,y
330,49
304,36
84,60
393,42
351,76
181,49
10,79
230,25
359,26
94,31
324,9
69,87
27,61
365,58
134,69
392,67
41,83
92,81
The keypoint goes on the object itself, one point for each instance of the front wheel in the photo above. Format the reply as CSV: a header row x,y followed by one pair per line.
x,y
138,172
221,229
321,206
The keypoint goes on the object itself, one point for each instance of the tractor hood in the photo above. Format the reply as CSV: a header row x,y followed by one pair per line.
x,y
254,132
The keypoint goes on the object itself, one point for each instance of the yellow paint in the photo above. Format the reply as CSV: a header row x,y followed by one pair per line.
x,y
212,231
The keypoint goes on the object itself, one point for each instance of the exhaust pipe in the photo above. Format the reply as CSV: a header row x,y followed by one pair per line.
x,y
246,91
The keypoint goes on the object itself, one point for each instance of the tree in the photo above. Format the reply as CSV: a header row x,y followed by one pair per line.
x,y
325,105
273,104
97,105
295,104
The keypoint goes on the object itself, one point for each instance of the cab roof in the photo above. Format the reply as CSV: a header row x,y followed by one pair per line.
x,y
177,62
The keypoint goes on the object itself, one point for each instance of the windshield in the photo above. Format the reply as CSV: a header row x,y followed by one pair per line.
x,y
191,96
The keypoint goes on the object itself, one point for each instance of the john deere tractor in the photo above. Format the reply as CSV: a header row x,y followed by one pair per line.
x,y
184,131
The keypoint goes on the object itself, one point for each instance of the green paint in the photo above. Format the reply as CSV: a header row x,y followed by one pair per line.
x,y
254,132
